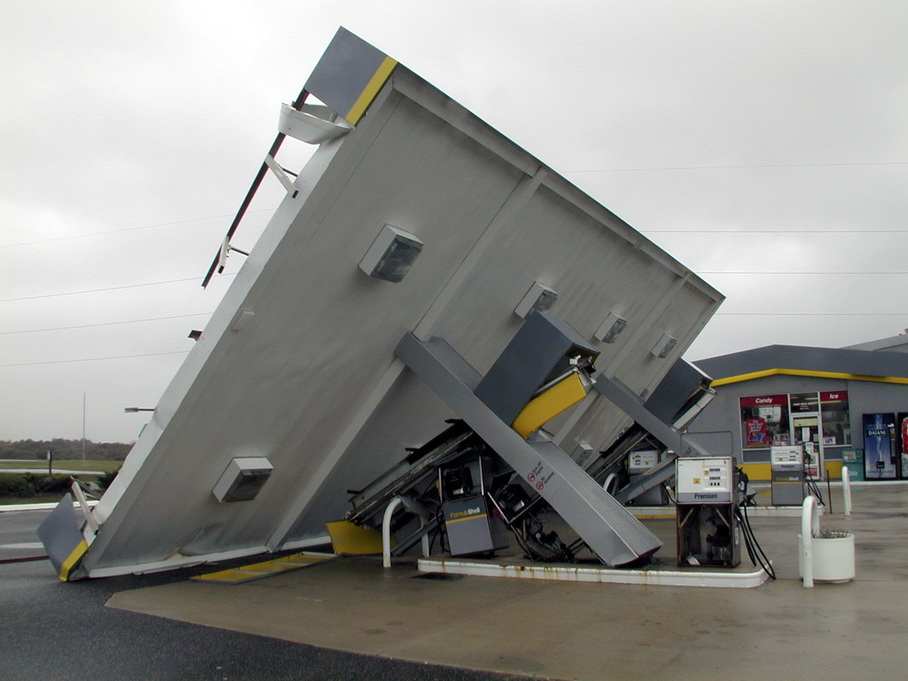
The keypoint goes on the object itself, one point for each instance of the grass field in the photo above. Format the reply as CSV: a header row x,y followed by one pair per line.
x,y
105,465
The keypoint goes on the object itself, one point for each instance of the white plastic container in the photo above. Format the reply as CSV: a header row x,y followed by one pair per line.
x,y
833,556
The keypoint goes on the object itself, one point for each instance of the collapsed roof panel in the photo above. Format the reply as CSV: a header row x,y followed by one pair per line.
x,y
419,218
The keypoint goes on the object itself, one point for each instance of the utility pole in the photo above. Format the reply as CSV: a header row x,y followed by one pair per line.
x,y
83,427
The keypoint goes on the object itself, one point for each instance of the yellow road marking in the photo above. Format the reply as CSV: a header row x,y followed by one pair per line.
x,y
275,566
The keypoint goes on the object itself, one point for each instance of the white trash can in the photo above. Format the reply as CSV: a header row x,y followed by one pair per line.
x,y
833,556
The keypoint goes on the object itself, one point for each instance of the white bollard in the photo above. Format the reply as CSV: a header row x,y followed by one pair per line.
x,y
810,524
386,531
413,507
424,542
846,490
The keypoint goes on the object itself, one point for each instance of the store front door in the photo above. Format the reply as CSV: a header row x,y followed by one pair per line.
x,y
807,432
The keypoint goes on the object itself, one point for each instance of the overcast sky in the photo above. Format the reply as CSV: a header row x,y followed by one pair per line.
x,y
130,132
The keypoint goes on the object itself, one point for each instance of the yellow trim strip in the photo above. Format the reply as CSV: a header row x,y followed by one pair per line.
x,y
546,406
372,87
353,540
478,516
753,375
759,471
74,557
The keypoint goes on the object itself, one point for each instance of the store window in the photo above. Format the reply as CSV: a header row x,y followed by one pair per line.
x,y
764,421
836,421
802,403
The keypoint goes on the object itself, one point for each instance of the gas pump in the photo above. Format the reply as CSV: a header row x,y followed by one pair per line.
x,y
638,463
787,476
706,517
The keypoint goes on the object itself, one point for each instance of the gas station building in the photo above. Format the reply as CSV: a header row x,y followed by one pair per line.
x,y
851,403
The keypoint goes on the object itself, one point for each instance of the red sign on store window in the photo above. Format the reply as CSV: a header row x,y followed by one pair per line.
x,y
756,432
835,396
764,400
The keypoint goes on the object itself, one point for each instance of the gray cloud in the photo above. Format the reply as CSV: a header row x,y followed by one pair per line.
x,y
124,115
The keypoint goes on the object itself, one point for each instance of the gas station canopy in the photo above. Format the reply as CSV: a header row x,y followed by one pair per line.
x,y
413,218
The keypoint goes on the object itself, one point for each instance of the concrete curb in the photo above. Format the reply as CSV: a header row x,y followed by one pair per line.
x,y
726,579
37,507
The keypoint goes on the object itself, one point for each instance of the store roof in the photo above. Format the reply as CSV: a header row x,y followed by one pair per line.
x,y
890,343
797,360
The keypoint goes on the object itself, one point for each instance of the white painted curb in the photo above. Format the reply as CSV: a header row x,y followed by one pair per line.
x,y
717,579
668,512
38,507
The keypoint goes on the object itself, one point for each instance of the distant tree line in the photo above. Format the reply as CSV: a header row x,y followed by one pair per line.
x,y
63,449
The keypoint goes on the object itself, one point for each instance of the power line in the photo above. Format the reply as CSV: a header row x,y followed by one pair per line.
x,y
812,314
120,230
93,359
107,288
100,324
778,230
230,274
738,166
784,272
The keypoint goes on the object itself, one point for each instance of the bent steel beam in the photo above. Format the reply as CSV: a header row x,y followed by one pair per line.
x,y
613,533
630,403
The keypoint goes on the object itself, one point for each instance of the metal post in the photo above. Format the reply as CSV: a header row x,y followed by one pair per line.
x,y
809,523
83,506
83,427
259,176
424,542
846,490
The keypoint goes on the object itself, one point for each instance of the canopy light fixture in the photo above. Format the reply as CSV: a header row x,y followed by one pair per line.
x,y
391,255
664,345
243,479
540,298
611,328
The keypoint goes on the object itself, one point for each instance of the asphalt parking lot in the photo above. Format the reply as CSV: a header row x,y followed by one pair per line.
x,y
349,619
50,630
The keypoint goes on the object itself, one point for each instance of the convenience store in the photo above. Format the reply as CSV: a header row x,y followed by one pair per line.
x,y
850,403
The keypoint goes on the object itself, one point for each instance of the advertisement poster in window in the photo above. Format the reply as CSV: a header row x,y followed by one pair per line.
x,y
879,447
756,434
764,421
903,442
